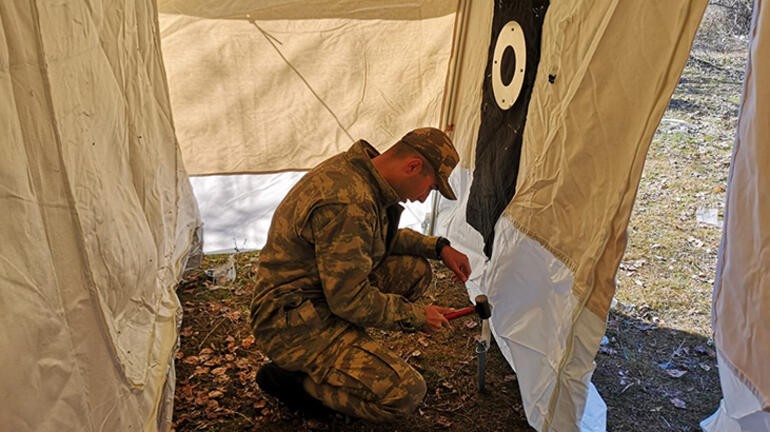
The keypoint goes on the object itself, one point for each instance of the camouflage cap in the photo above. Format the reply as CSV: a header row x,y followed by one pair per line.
x,y
436,147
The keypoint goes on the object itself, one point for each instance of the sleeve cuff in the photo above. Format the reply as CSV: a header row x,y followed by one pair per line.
x,y
417,322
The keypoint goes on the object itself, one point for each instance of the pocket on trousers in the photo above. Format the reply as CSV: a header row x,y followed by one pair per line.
x,y
367,370
303,315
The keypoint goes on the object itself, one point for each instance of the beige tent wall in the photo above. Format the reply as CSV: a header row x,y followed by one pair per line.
x,y
272,86
742,288
587,135
583,155
561,238
98,218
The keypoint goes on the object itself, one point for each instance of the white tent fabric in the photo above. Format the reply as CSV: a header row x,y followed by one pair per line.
x,y
742,286
236,210
98,218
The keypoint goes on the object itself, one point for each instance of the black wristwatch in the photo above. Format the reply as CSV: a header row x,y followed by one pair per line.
x,y
442,241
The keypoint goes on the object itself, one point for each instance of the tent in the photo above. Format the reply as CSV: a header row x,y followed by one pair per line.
x,y
99,219
552,106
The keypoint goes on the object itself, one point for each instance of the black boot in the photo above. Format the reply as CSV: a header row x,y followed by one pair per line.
x,y
287,387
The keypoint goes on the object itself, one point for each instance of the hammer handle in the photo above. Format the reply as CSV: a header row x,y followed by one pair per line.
x,y
460,313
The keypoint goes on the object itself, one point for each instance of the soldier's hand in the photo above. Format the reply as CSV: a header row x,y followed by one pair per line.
x,y
434,318
457,262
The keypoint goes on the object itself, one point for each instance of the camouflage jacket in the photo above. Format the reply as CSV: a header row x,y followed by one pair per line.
x,y
335,226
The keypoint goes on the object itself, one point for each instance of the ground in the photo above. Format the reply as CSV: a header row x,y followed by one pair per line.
x,y
656,369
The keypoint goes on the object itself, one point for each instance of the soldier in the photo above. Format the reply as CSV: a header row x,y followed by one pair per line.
x,y
336,262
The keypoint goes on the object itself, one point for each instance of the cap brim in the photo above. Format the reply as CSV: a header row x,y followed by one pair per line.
x,y
445,189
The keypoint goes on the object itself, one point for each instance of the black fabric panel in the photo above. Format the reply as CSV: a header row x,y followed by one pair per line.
x,y
498,149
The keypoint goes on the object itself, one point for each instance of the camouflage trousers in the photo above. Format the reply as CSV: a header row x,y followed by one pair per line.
x,y
346,369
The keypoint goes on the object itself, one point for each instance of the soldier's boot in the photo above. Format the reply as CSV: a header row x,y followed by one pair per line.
x,y
287,387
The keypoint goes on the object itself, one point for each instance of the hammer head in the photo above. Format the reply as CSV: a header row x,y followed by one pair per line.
x,y
483,308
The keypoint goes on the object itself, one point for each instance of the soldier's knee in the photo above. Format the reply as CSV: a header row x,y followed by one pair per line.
x,y
405,397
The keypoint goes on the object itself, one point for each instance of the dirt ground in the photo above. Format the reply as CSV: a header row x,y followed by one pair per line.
x,y
665,379
656,369
218,361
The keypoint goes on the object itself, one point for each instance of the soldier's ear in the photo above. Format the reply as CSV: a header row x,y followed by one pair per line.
x,y
414,165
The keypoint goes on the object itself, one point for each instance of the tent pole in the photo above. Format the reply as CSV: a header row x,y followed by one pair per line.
x,y
450,89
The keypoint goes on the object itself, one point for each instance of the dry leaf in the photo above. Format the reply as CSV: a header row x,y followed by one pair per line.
x,y
215,394
675,373
222,379
443,421
199,370
191,360
247,378
679,403
242,363
422,341
219,371
248,342
314,424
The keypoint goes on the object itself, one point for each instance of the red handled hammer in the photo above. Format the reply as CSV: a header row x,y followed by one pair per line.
x,y
484,310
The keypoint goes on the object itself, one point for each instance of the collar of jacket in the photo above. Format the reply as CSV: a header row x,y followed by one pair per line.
x,y
360,156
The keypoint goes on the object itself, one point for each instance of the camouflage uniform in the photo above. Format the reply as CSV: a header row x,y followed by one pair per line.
x,y
335,262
